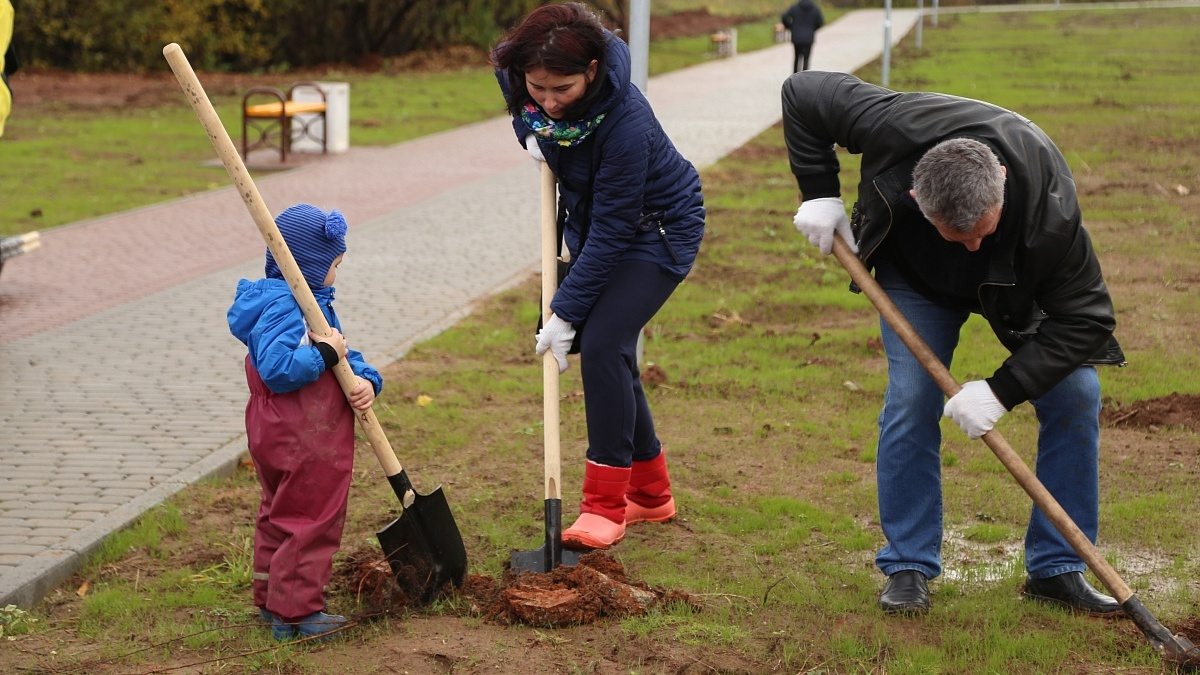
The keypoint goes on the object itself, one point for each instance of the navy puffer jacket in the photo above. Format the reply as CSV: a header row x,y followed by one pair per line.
x,y
646,202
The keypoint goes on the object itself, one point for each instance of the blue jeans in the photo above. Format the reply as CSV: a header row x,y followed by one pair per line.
x,y
909,460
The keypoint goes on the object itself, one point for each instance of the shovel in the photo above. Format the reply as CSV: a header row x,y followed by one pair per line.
x,y
1173,648
551,554
422,546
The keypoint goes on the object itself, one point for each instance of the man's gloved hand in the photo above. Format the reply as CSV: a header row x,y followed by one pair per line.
x,y
818,219
975,409
556,336
531,145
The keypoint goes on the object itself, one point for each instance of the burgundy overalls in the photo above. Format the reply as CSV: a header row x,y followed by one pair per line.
x,y
302,444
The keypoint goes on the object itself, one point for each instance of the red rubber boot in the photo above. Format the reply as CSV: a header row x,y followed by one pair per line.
x,y
648,497
601,521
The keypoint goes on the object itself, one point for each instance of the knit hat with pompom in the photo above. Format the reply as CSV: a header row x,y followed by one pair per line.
x,y
315,239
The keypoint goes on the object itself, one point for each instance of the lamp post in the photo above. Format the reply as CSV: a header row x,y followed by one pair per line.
x,y
639,55
887,42
639,42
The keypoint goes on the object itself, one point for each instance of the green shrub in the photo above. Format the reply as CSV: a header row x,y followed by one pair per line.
x,y
247,35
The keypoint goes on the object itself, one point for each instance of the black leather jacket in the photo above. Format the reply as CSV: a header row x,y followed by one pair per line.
x,y
1043,294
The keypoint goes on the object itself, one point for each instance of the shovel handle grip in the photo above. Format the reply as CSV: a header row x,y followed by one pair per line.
x,y
1000,447
270,233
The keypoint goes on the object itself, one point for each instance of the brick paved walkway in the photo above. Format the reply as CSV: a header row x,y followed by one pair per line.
x,y
121,383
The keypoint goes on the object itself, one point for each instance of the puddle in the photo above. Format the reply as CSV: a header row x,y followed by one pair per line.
x,y
975,562
968,561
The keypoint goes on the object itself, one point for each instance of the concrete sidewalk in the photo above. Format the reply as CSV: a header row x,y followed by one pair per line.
x,y
121,382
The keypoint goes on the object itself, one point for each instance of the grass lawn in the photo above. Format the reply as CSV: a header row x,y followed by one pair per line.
x,y
770,377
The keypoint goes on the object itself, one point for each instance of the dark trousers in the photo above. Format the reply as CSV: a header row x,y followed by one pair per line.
x,y
620,429
802,60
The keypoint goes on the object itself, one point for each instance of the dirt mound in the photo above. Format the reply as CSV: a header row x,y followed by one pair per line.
x,y
689,23
95,91
1171,410
568,596
1189,628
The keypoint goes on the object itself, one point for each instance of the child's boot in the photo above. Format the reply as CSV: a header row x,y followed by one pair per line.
x,y
601,520
648,497
318,625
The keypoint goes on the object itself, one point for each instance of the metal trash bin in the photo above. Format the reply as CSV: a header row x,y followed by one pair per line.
x,y
337,119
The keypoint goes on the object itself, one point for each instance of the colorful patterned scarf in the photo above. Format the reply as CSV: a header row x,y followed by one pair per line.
x,y
564,133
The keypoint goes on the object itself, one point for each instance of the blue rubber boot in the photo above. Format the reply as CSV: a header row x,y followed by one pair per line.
x,y
319,626
281,630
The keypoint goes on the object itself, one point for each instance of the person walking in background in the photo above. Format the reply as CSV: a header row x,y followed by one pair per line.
x,y
965,207
803,19
299,425
635,219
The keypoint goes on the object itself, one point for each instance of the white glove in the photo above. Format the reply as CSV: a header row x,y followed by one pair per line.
x,y
976,409
556,336
531,145
818,219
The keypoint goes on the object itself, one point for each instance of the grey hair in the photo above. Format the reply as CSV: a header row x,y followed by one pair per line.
x,y
957,182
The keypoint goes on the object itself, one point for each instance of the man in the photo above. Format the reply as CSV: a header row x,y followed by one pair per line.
x,y
964,207
802,19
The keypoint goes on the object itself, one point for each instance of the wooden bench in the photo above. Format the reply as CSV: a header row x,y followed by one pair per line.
x,y
276,120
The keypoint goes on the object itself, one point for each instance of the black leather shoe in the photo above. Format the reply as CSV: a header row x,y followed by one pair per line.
x,y
906,592
1073,591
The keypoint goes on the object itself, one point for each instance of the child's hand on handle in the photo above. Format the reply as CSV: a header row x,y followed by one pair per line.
x,y
362,395
335,340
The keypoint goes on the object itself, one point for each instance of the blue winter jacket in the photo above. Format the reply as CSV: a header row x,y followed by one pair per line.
x,y
267,319
646,202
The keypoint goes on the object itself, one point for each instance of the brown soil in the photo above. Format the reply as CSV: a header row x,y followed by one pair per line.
x,y
689,23
90,91
1170,410
569,595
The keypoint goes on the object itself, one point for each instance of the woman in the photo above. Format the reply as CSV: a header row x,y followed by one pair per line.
x,y
635,218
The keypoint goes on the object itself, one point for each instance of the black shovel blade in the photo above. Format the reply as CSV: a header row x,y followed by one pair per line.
x,y
423,546
551,554
1175,649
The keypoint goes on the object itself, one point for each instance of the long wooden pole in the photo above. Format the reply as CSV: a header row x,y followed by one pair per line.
x,y
283,257
550,383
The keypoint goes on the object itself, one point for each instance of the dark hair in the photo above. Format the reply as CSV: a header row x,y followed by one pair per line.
x,y
564,39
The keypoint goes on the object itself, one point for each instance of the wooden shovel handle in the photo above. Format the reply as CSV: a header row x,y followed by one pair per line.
x,y
283,257
550,390
1003,451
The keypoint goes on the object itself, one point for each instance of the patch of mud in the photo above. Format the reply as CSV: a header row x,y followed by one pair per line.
x,y
691,22
596,588
653,375
1189,628
1172,410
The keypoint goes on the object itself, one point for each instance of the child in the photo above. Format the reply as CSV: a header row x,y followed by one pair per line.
x,y
299,425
